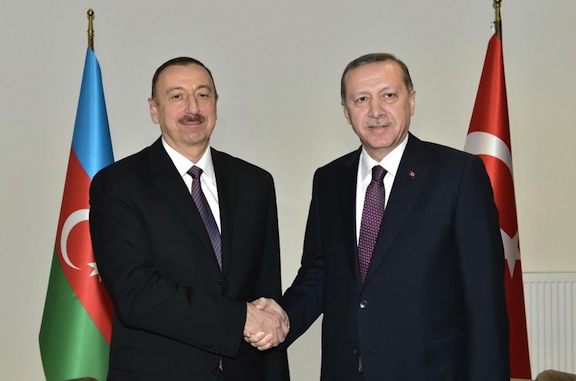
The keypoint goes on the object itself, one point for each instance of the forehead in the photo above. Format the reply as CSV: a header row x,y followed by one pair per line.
x,y
382,74
180,75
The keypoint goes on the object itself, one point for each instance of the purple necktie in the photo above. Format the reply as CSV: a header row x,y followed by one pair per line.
x,y
206,212
371,219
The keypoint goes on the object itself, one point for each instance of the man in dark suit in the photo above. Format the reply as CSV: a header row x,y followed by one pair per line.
x,y
417,294
181,290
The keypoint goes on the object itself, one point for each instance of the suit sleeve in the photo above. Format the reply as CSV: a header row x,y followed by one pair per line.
x,y
142,297
482,261
269,284
303,300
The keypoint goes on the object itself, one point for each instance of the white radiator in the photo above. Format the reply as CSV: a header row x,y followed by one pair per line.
x,y
550,300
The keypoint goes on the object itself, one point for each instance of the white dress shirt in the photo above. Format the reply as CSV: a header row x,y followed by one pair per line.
x,y
390,163
207,179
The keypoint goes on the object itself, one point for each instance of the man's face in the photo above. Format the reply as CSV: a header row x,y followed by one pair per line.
x,y
185,108
378,106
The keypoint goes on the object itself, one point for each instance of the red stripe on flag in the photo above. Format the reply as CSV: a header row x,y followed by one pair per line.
x,y
490,112
74,248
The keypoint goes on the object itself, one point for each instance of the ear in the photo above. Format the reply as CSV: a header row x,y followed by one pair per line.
x,y
153,110
346,112
412,101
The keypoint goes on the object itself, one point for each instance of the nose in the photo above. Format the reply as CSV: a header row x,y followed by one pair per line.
x,y
192,105
376,110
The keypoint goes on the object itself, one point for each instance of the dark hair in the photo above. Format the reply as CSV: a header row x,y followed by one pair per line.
x,y
181,61
371,58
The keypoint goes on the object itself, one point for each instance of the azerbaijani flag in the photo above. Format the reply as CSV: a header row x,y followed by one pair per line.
x,y
77,321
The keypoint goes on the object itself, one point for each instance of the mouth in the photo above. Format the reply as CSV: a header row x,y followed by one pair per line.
x,y
379,126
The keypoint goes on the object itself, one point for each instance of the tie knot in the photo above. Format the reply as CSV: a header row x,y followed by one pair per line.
x,y
378,173
195,172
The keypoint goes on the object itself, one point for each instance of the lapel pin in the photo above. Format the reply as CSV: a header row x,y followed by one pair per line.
x,y
412,174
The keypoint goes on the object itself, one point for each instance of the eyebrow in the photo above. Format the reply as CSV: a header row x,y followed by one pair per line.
x,y
176,88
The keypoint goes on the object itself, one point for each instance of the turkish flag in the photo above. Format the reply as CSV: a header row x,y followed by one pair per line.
x,y
489,138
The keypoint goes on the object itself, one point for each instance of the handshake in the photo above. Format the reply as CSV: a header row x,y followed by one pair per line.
x,y
267,324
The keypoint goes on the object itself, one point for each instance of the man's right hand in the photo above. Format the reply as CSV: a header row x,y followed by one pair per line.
x,y
266,324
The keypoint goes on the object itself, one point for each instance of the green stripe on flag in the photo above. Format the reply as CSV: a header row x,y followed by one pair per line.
x,y
71,345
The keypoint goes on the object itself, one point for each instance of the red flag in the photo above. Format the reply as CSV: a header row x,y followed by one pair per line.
x,y
489,138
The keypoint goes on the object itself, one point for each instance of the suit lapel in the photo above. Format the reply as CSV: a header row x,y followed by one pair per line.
x,y
411,176
227,200
168,180
346,192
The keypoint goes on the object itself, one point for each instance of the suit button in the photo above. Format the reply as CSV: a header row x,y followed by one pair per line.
x,y
355,351
220,282
363,304
216,371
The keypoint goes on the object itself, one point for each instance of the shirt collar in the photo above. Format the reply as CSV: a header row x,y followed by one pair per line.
x,y
182,163
390,163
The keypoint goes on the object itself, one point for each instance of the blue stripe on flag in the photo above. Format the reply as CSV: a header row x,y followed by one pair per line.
x,y
91,140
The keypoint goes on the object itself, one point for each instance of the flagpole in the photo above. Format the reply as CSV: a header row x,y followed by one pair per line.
x,y
498,19
489,137
90,28
76,324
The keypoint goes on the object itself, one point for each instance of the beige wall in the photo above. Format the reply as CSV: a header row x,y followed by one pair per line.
x,y
277,66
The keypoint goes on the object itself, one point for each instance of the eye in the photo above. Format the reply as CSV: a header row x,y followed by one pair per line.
x,y
361,99
389,95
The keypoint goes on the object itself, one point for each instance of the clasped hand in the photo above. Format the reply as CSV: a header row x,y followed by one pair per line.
x,y
267,324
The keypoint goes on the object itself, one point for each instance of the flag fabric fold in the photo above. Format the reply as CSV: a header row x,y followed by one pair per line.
x,y
489,137
77,321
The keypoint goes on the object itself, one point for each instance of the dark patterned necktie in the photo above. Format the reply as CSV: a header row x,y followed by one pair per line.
x,y
371,219
205,212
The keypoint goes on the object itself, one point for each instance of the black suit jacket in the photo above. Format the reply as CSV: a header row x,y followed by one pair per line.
x,y
433,304
176,312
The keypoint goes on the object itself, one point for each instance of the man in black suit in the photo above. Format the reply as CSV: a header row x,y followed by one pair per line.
x,y
182,290
427,301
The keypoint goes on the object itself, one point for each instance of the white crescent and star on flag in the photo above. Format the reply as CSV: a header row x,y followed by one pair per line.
x,y
74,219
483,143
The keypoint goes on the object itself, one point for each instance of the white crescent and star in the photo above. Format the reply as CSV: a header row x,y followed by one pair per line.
x,y
484,143
74,219
511,250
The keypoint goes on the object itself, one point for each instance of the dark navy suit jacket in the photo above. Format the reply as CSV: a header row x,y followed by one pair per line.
x,y
433,304
177,313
